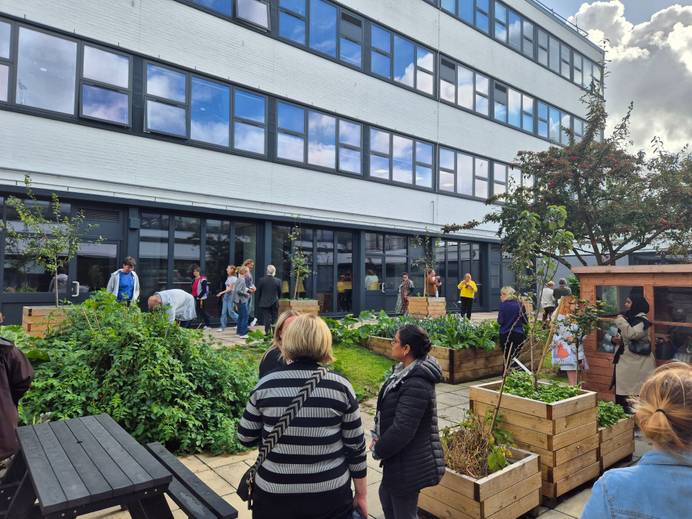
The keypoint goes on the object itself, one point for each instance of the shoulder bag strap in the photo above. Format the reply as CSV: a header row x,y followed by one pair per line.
x,y
285,421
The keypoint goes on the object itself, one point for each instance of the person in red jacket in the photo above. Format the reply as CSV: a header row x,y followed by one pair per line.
x,y
15,379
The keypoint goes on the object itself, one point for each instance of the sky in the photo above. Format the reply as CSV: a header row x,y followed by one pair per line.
x,y
649,62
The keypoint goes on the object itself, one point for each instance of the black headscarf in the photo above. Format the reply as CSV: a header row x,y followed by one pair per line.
x,y
639,306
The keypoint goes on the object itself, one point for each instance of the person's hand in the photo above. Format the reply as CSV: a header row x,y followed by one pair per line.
x,y
360,502
372,444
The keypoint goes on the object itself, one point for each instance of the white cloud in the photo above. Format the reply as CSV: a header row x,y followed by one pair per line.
x,y
649,63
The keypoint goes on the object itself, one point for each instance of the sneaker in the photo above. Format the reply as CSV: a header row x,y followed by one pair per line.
x,y
254,322
242,336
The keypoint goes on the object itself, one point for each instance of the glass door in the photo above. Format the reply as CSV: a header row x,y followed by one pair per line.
x,y
92,267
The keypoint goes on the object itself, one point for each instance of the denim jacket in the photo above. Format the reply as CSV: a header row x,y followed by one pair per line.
x,y
658,487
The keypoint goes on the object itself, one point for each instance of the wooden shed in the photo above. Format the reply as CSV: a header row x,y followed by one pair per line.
x,y
668,290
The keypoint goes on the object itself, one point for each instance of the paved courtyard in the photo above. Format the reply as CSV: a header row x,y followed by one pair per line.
x,y
222,473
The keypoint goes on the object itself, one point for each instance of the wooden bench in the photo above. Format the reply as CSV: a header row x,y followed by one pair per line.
x,y
189,492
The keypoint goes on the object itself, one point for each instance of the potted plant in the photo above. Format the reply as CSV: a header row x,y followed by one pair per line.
x,y
300,269
426,305
484,474
49,239
615,434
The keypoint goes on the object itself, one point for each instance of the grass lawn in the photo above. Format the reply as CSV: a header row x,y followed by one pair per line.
x,y
363,368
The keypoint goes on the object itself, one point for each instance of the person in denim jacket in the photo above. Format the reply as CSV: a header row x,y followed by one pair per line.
x,y
660,485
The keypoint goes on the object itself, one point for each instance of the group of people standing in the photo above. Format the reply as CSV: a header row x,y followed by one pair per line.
x,y
467,291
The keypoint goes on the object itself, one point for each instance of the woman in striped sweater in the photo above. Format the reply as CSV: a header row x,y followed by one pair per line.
x,y
308,473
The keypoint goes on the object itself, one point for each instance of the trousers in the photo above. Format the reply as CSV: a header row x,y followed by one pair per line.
x,y
399,507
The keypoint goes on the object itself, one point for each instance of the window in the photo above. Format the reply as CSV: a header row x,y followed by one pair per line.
x,y
321,140
447,170
249,121
381,54
105,86
514,26
554,115
565,61
402,165
218,6
464,174
292,20
480,172
290,139
482,17
542,120
482,87
514,108
447,81
500,22
351,40
425,70
578,129
499,178
380,153
166,101
450,6
527,42
542,47
424,154
514,180
153,252
500,108
46,71
527,113
466,10
578,78
5,39
210,112
554,54
466,86
566,124
323,20
254,11
404,68
350,144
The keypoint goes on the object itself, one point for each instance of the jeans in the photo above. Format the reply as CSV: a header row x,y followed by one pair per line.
x,y
242,318
227,310
399,507
268,316
466,304
201,311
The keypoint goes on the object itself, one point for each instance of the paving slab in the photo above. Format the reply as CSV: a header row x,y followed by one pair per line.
x,y
573,504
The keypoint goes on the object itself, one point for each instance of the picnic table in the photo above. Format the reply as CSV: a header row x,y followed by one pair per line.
x,y
77,466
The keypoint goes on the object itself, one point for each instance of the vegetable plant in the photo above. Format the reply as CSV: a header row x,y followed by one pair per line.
x,y
609,413
520,383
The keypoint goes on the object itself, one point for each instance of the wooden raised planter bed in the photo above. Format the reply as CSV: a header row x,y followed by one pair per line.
x,y
37,320
564,433
506,494
457,366
422,307
304,306
616,442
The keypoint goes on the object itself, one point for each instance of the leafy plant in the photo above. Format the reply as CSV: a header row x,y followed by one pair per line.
x,y
470,450
161,382
520,383
49,240
609,413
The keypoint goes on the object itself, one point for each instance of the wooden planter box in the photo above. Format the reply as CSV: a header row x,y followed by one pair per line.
x,y
564,433
506,494
457,365
37,320
616,442
422,307
304,306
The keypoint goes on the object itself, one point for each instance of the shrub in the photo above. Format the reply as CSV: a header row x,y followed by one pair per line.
x,y
609,413
161,382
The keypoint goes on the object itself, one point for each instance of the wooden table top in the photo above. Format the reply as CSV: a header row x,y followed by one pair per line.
x,y
86,460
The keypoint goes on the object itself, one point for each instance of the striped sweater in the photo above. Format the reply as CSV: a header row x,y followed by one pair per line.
x,y
323,447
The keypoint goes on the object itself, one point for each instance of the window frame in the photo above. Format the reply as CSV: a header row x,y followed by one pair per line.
x,y
342,34
170,102
129,91
235,10
302,18
496,181
294,133
243,120
348,146
9,62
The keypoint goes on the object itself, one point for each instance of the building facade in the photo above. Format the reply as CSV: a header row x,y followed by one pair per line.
x,y
202,131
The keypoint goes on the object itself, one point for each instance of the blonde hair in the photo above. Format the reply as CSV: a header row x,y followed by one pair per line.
x,y
243,270
563,307
308,336
664,406
280,323
508,291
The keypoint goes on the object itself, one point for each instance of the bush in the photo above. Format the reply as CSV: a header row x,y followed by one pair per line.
x,y
159,381
609,413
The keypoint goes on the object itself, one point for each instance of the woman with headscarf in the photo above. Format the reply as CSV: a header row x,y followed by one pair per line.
x,y
404,292
632,368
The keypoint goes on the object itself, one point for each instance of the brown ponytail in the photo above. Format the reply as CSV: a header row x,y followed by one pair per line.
x,y
664,407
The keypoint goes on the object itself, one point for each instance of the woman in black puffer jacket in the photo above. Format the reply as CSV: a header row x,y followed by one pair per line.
x,y
406,438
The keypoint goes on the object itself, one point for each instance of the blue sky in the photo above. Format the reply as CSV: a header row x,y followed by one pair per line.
x,y
636,11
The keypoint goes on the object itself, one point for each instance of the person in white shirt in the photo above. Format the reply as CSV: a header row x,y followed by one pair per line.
x,y
547,300
178,304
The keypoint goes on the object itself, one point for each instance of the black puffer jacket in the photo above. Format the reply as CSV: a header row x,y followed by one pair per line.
x,y
409,444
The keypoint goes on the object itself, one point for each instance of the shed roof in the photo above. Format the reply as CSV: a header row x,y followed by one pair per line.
x,y
685,268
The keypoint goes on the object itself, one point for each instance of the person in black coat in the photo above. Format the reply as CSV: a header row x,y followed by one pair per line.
x,y
267,298
406,438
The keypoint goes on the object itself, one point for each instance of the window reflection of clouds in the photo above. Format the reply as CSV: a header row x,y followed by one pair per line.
x,y
379,167
514,108
402,170
423,176
290,147
106,104
5,29
210,112
465,83
404,68
4,73
253,11
381,39
249,106
248,138
166,118
349,160
379,141
321,140
291,28
381,64
165,83
323,27
106,67
46,71
350,52
297,6
349,133
465,174
291,117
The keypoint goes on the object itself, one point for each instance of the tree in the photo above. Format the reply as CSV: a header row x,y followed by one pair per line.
x,y
617,202
300,268
427,260
51,240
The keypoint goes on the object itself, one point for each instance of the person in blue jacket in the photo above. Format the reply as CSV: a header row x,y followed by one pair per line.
x,y
660,485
